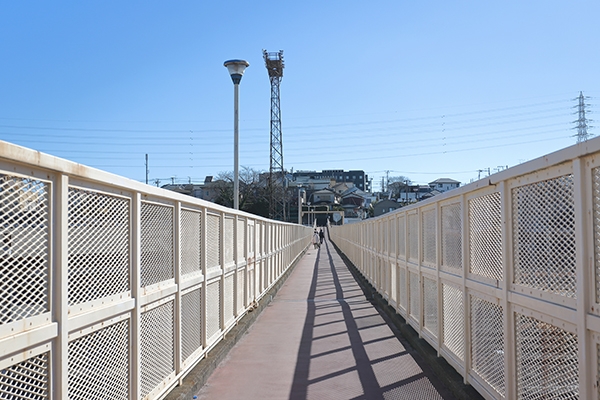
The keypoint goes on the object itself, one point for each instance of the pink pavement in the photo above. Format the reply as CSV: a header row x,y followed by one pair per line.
x,y
321,339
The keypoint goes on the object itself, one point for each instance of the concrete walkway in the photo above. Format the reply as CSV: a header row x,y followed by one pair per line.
x,y
321,339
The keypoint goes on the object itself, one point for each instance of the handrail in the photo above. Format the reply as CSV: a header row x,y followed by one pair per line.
x,y
115,289
501,276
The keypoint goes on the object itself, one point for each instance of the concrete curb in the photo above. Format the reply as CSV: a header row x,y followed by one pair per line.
x,y
444,371
198,376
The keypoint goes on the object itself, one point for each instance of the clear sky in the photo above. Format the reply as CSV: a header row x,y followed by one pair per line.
x,y
425,89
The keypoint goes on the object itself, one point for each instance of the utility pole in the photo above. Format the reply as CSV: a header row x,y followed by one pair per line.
x,y
582,121
277,188
157,182
146,169
387,180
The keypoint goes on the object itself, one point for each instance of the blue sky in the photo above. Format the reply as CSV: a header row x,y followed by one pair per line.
x,y
424,89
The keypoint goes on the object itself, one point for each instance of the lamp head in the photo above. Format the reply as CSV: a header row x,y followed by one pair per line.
x,y
236,69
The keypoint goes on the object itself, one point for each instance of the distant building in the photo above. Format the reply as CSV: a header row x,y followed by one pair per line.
x,y
444,184
385,206
206,191
357,177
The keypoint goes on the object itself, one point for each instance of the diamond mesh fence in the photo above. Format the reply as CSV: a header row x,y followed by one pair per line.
x,y
229,241
26,380
214,240
487,342
401,237
485,236
228,303
596,221
98,243
191,322
24,214
241,286
191,242
453,320
241,240
393,282
547,364
413,238
157,346
452,238
544,236
213,308
393,235
99,364
414,296
428,239
156,244
430,306
402,287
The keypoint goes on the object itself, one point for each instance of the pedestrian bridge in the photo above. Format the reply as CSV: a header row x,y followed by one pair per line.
x,y
112,289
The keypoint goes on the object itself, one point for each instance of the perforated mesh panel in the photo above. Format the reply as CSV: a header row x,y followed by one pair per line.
x,y
229,241
241,284
414,296
24,211
401,237
214,240
156,347
402,287
413,237
487,342
99,364
453,320
191,242
213,308
98,245
430,306
485,236
428,237
241,240
544,236
547,365
191,322
26,380
156,242
452,238
229,298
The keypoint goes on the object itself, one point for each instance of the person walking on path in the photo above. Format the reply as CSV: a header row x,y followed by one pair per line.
x,y
315,239
321,235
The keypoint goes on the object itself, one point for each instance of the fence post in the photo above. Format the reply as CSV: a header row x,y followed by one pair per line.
x,y
136,295
584,265
59,289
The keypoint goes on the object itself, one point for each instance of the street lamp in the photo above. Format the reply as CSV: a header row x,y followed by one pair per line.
x,y
236,70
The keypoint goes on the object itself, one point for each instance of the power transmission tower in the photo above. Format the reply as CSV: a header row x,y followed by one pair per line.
x,y
277,189
582,121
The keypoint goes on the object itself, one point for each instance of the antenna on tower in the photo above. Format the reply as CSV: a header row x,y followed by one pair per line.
x,y
582,122
277,187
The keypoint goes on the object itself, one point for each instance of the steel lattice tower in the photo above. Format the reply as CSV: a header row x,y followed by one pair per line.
x,y
582,121
275,65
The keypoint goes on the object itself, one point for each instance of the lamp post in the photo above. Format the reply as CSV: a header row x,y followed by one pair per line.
x,y
299,205
236,70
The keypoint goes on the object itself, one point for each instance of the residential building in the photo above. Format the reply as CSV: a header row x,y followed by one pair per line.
x,y
357,177
385,206
444,184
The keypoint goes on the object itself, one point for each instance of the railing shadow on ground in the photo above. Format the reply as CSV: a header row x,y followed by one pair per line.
x,y
349,345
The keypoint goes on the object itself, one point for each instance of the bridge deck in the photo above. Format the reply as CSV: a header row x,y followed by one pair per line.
x,y
321,339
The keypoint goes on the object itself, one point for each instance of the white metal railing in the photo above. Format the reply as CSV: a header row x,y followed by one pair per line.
x,y
501,276
112,289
